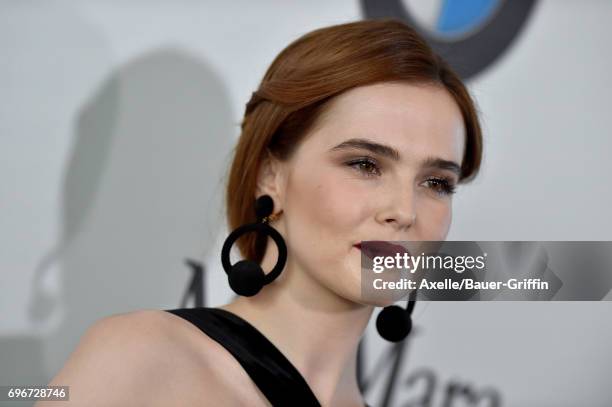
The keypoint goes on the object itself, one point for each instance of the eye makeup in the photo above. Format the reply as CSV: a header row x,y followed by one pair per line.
x,y
369,167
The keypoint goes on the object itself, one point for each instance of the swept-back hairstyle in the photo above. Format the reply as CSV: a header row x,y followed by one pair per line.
x,y
303,78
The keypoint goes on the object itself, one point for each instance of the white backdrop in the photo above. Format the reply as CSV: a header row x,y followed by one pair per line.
x,y
116,122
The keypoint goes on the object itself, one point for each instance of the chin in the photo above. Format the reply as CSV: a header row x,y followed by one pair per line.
x,y
371,303
352,292
381,302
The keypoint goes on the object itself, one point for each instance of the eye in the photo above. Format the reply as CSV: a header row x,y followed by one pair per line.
x,y
442,186
366,166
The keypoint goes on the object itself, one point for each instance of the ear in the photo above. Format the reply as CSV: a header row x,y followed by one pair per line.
x,y
269,179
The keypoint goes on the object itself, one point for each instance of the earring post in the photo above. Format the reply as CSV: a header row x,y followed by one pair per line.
x,y
273,217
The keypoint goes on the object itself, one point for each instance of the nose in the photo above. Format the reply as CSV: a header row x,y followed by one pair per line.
x,y
398,209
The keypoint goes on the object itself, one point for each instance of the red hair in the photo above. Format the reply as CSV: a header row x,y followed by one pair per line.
x,y
307,74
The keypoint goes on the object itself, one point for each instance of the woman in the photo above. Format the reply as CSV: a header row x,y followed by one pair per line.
x,y
357,132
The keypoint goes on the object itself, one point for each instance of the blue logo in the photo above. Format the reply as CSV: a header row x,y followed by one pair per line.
x,y
470,35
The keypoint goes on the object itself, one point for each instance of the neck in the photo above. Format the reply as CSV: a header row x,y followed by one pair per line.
x,y
317,330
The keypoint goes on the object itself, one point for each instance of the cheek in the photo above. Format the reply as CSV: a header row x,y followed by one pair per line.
x,y
435,220
325,207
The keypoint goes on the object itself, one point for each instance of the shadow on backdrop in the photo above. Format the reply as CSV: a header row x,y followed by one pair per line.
x,y
143,190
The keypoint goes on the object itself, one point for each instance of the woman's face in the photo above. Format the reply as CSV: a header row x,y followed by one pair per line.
x,y
379,165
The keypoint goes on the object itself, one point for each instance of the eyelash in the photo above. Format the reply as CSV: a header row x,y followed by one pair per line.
x,y
446,186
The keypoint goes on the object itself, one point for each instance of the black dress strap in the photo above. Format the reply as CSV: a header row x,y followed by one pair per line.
x,y
270,370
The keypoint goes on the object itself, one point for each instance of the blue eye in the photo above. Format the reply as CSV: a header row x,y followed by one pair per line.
x,y
365,165
442,186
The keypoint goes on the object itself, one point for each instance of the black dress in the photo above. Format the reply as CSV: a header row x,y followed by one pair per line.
x,y
270,370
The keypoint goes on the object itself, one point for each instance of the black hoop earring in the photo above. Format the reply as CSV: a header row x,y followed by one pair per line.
x,y
394,323
246,277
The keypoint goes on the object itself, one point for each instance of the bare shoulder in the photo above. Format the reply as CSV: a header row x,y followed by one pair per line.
x,y
115,359
146,357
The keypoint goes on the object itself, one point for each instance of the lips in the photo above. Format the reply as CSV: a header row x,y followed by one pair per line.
x,y
373,248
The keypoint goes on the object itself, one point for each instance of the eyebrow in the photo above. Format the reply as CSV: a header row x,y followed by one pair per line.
x,y
393,154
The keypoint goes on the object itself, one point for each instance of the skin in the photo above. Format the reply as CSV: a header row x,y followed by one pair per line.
x,y
313,311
